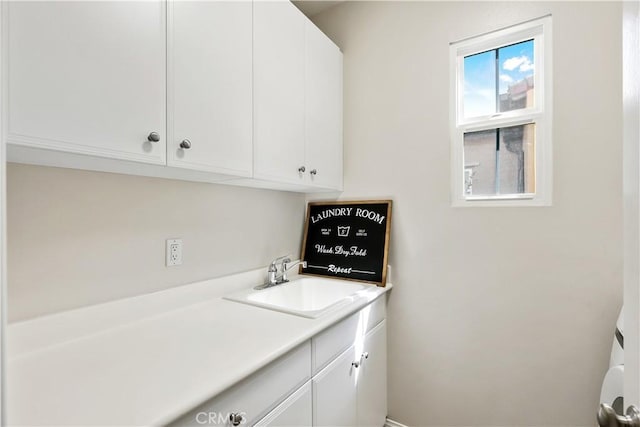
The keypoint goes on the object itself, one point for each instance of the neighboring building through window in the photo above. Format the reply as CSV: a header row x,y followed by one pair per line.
x,y
501,117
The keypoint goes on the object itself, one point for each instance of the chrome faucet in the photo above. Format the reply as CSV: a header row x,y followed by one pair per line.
x,y
286,267
272,272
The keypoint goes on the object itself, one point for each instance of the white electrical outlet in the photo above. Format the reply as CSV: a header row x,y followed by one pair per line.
x,y
174,252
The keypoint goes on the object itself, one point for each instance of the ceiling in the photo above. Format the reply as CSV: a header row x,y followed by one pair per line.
x,y
314,7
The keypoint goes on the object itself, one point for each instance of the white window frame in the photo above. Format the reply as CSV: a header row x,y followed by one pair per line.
x,y
541,113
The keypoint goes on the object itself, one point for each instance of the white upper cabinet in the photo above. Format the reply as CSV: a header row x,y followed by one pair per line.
x,y
279,107
297,100
246,92
323,110
88,78
210,86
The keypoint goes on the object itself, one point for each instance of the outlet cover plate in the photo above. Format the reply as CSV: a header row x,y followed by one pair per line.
x,y
174,252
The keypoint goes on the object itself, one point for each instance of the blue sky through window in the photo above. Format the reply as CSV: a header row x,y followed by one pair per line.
x,y
516,63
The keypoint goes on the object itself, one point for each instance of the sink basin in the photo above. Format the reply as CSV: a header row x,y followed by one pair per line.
x,y
307,296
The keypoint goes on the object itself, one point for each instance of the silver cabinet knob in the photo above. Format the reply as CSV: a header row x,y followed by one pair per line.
x,y
153,137
313,171
301,169
185,144
236,419
607,417
355,364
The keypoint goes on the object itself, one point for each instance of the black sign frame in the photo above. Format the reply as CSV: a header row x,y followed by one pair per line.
x,y
370,259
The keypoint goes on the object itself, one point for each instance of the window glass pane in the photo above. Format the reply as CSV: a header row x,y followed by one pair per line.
x,y
516,160
500,161
480,163
516,71
480,84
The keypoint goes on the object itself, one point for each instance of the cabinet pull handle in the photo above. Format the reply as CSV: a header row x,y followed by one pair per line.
x,y
355,364
313,171
236,419
301,169
153,137
607,417
185,144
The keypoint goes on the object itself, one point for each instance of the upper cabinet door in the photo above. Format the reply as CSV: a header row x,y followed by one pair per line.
x,y
279,58
323,110
88,77
210,86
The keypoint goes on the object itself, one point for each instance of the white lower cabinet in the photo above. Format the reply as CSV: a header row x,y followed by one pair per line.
x,y
338,378
295,411
255,396
335,391
352,390
372,378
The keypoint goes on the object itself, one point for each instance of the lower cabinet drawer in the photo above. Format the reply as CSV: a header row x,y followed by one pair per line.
x,y
252,398
333,341
295,411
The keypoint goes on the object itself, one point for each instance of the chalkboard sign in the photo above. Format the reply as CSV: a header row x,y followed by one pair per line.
x,y
348,240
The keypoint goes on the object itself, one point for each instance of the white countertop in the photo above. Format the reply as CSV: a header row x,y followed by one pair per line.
x,y
149,359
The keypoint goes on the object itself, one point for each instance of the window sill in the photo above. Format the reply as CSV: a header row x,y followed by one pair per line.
x,y
515,200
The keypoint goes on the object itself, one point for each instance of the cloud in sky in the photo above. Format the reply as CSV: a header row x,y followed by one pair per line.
x,y
522,63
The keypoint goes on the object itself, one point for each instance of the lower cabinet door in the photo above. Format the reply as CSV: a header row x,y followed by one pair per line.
x,y
372,380
295,411
334,392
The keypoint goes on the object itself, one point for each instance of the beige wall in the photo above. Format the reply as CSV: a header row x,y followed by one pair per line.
x,y
77,238
500,316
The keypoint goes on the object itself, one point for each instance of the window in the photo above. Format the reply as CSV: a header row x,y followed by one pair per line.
x,y
501,117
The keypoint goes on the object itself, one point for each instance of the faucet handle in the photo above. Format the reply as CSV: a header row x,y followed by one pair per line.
x,y
275,261
284,266
272,266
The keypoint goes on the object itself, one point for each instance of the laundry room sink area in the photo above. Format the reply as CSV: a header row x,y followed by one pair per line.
x,y
306,296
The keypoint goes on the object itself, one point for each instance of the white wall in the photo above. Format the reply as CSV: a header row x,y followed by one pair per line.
x,y
77,238
500,316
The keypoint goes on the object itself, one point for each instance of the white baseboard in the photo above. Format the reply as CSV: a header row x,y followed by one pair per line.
x,y
390,423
